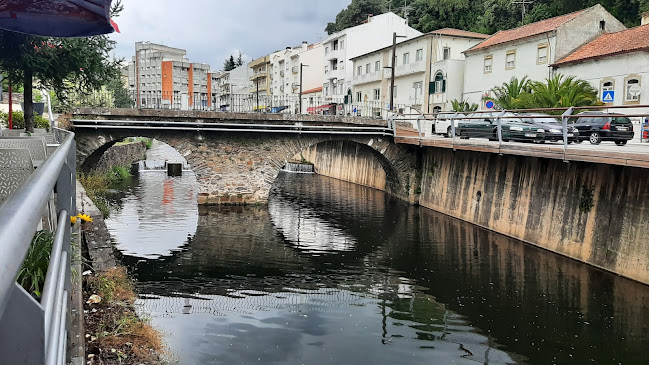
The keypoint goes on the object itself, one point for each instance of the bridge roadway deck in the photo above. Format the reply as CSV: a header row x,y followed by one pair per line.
x,y
634,154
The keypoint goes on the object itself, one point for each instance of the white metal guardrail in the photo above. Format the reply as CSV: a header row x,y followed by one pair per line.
x,y
234,127
33,332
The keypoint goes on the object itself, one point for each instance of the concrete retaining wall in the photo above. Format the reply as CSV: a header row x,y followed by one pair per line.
x,y
595,213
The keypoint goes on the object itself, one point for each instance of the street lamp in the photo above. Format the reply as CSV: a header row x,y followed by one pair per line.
x,y
394,62
301,67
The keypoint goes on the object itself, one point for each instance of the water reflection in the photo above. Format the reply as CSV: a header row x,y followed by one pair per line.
x,y
414,287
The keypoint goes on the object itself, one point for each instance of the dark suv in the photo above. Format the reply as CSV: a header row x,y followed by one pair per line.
x,y
600,126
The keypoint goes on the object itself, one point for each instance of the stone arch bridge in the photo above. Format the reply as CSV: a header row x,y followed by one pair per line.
x,y
237,160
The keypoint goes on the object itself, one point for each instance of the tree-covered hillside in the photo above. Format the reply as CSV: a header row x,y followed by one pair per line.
x,y
485,16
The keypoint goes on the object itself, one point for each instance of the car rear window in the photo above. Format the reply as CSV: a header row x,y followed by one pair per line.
x,y
621,120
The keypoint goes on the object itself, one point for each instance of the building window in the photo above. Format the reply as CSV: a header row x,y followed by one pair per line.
x,y
335,45
342,44
418,87
632,90
377,66
377,94
608,86
510,60
359,70
602,25
326,90
488,61
326,50
368,68
406,58
359,96
542,54
447,53
419,55
326,68
439,84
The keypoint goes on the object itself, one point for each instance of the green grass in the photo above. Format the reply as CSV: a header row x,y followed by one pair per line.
x,y
32,273
97,185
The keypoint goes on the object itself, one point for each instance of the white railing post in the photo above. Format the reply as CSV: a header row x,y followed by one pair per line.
x,y
499,127
564,121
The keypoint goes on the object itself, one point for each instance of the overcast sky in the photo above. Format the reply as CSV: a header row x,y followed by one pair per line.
x,y
211,30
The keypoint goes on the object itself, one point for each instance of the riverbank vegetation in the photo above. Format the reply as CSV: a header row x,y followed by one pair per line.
x,y
97,184
114,332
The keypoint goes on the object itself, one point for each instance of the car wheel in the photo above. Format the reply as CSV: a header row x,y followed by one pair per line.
x,y
449,133
595,138
620,143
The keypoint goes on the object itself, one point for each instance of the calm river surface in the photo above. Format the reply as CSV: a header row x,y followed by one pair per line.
x,y
334,273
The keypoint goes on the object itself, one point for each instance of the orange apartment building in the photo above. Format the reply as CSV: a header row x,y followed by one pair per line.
x,y
163,77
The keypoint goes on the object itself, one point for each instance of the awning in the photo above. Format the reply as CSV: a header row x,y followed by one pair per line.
x,y
313,109
57,18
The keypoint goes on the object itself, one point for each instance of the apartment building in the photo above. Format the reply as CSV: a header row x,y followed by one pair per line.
x,y
231,88
530,50
162,76
615,64
428,74
339,49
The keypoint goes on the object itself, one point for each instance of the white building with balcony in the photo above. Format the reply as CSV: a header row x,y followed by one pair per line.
x,y
530,50
428,74
231,88
339,49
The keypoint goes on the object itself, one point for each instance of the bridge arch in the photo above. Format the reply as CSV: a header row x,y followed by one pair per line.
x,y
240,168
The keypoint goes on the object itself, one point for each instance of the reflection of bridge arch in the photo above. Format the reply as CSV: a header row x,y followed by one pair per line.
x,y
240,167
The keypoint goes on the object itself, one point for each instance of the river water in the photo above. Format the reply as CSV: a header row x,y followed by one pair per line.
x,y
334,273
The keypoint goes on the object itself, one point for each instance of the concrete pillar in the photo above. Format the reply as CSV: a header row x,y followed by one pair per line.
x,y
135,168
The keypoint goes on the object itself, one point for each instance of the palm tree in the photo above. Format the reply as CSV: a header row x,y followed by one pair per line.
x,y
507,96
562,92
463,106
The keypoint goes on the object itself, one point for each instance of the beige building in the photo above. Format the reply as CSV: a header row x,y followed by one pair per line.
x,y
259,76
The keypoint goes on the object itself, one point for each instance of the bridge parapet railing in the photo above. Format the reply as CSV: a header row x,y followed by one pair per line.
x,y
551,130
35,331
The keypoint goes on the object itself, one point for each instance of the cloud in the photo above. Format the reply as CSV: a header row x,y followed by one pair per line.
x,y
211,30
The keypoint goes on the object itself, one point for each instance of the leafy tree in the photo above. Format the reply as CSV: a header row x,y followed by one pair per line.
x,y
463,106
229,64
507,95
61,64
560,92
355,13
239,61
121,98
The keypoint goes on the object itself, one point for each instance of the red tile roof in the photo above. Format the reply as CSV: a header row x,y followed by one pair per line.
x,y
460,33
526,31
630,40
314,90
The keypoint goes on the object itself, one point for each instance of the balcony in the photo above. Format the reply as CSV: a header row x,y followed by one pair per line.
x,y
338,53
409,69
296,69
262,88
259,75
335,74
295,85
281,73
370,77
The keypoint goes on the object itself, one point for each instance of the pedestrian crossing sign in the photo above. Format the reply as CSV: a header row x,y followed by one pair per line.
x,y
608,96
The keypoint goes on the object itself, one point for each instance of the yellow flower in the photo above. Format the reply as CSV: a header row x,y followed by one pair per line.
x,y
85,217
73,219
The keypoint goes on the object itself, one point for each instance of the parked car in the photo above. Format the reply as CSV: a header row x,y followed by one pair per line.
x,y
443,123
513,128
552,126
601,126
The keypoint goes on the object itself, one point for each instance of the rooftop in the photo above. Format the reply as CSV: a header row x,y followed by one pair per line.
x,y
630,40
526,31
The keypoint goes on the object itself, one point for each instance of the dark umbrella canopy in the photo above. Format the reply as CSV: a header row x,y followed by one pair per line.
x,y
57,18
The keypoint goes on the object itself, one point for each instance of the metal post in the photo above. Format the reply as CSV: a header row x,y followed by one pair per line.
x,y
11,113
499,127
300,101
453,127
394,62
564,122
1,91
257,82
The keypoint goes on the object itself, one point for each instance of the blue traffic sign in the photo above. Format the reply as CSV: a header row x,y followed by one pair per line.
x,y
608,96
490,104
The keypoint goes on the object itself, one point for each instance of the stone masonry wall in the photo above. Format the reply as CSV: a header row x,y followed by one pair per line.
x,y
121,155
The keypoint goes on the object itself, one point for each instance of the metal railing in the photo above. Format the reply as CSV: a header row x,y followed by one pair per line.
x,y
33,332
500,127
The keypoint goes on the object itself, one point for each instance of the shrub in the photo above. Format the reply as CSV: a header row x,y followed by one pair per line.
x,y
32,273
18,120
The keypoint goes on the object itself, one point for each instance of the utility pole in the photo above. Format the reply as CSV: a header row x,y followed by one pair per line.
x,y
301,78
522,3
393,66
257,81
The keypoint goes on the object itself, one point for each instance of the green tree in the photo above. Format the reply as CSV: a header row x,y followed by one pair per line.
x,y
560,92
509,94
463,106
355,13
229,64
239,61
61,64
121,98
